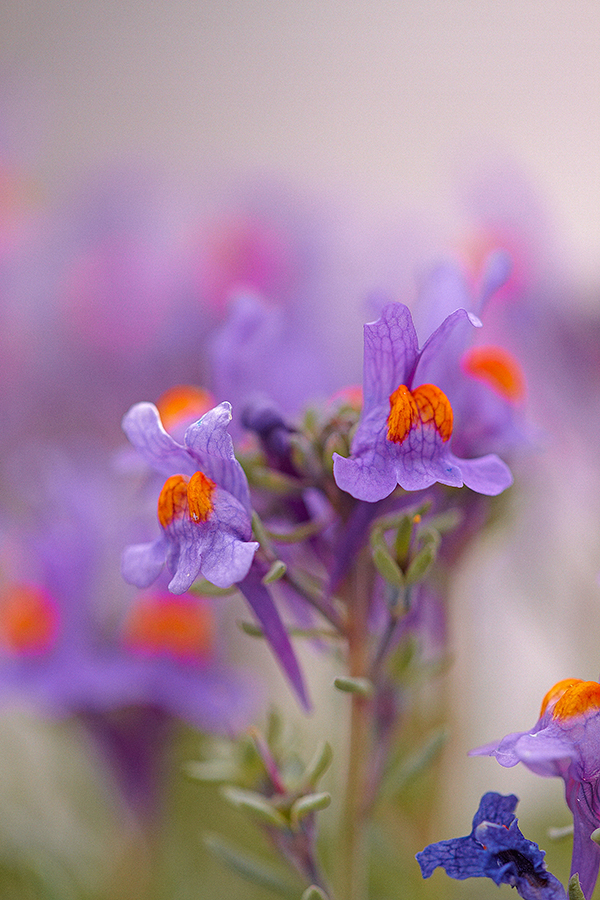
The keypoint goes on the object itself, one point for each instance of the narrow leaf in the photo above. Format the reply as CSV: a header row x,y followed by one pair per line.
x,y
249,866
575,892
308,804
319,764
255,804
361,686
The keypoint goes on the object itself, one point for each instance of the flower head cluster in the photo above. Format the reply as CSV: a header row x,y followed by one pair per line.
x,y
565,742
495,849
404,434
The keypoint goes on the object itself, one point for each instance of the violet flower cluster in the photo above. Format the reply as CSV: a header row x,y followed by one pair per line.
x,y
359,491
335,513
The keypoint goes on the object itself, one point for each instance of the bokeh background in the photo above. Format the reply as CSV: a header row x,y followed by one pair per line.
x,y
366,140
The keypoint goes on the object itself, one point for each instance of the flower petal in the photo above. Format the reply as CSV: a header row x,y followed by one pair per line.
x,y
209,442
143,427
486,475
390,354
264,608
141,564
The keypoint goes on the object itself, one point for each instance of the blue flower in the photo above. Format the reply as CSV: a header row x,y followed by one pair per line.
x,y
495,849
565,743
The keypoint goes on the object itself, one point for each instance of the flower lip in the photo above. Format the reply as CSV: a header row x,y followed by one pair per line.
x,y
578,699
173,499
427,405
200,490
556,692
182,496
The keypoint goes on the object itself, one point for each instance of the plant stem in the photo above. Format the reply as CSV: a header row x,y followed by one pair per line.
x,y
354,859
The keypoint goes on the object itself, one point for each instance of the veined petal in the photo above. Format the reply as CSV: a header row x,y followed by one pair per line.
x,y
495,849
391,351
229,560
486,475
209,442
367,476
143,427
445,346
564,743
218,548
141,564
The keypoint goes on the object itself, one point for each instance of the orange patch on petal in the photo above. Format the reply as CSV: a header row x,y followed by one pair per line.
x,y
173,499
199,493
497,368
183,403
435,407
556,692
29,619
166,625
571,697
403,416
426,405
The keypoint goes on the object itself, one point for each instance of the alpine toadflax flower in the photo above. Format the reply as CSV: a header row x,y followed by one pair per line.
x,y
204,507
495,849
565,741
405,430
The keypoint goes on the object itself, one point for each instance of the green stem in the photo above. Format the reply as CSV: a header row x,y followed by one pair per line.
x,y
353,875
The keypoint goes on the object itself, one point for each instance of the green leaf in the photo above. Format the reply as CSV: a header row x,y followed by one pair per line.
x,y
387,567
402,540
204,588
575,892
249,866
421,563
277,571
274,482
361,686
319,764
255,804
314,893
250,628
308,804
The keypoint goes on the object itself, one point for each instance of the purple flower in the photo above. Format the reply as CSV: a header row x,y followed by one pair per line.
x,y
203,509
565,742
404,433
129,666
264,351
495,849
204,512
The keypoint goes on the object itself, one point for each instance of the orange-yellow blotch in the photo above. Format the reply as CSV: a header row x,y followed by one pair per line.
x,y
199,492
556,692
29,619
426,405
173,499
573,697
403,416
497,368
183,402
169,625
435,407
